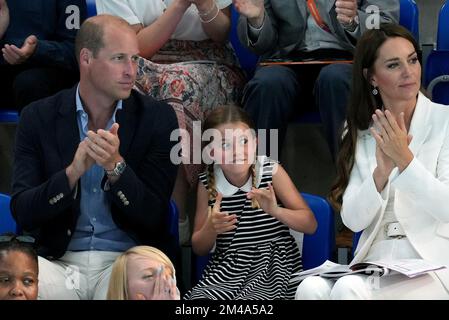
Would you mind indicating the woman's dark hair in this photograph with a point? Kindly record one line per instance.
(12, 242)
(362, 102)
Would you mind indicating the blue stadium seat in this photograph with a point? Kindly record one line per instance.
(7, 222)
(443, 28)
(436, 78)
(247, 59)
(317, 247)
(355, 242)
(320, 246)
(9, 116)
(173, 220)
(409, 17)
(91, 8)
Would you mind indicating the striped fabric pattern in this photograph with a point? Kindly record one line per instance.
(253, 261)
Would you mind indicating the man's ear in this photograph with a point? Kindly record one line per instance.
(85, 56)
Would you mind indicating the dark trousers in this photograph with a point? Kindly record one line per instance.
(21, 85)
(275, 94)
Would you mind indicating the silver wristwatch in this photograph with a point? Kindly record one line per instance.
(118, 170)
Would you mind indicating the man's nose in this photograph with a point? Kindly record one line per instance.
(130, 68)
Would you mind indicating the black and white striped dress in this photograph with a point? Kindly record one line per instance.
(256, 259)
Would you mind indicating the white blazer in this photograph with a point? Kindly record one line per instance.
(422, 189)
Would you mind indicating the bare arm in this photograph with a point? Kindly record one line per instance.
(153, 37)
(216, 23)
(203, 237)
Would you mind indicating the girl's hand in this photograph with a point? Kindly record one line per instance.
(164, 288)
(392, 138)
(221, 222)
(266, 199)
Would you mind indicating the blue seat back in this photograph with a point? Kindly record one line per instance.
(320, 246)
(355, 242)
(173, 218)
(247, 59)
(91, 8)
(443, 28)
(409, 17)
(11, 116)
(7, 222)
(436, 77)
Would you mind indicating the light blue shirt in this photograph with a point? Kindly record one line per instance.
(95, 229)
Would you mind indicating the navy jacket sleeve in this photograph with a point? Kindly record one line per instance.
(34, 186)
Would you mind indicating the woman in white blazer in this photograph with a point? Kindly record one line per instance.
(393, 173)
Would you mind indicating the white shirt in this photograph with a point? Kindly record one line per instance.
(146, 12)
(227, 189)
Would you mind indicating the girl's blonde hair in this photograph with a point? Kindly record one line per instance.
(220, 116)
(118, 283)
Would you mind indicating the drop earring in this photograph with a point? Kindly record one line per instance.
(375, 92)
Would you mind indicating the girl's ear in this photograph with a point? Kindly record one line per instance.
(208, 154)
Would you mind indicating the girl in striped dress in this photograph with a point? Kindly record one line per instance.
(240, 219)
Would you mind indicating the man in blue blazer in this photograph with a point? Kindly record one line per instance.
(37, 42)
(92, 172)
